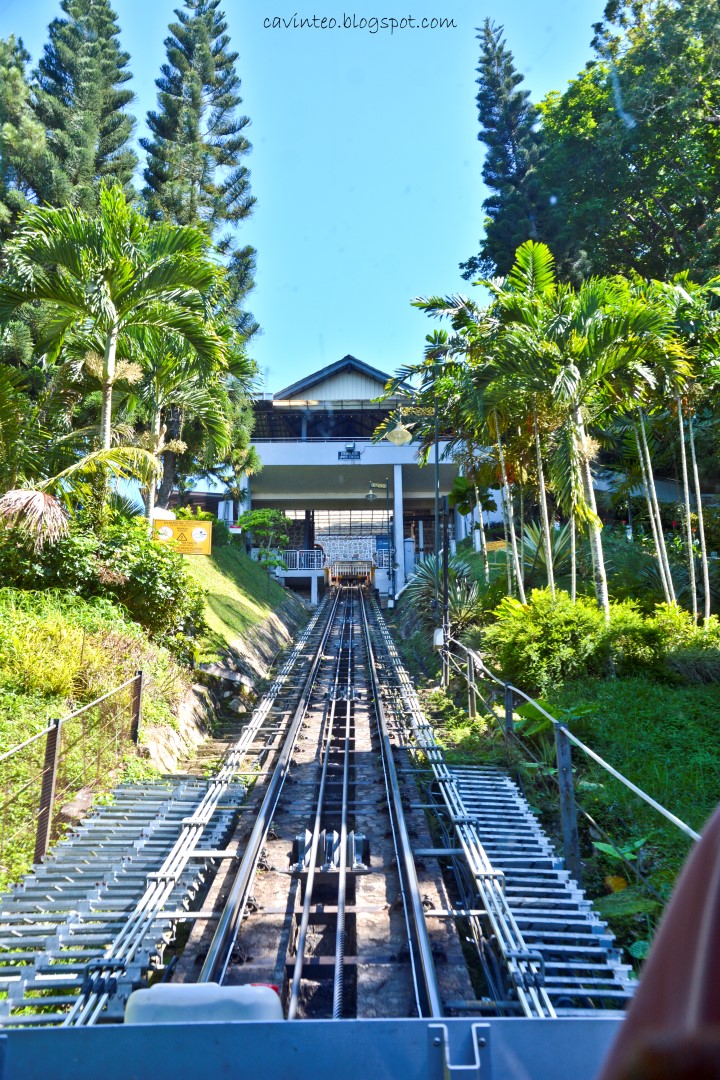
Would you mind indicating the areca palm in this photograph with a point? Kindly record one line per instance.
(688, 307)
(596, 346)
(453, 375)
(104, 276)
(176, 377)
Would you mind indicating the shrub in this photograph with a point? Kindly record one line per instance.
(221, 535)
(541, 644)
(468, 598)
(147, 577)
(546, 642)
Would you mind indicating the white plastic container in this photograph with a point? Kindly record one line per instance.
(197, 1003)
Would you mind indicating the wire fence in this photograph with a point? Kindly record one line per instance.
(469, 665)
(48, 783)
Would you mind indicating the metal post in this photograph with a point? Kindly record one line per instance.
(568, 812)
(391, 554)
(138, 686)
(509, 727)
(446, 598)
(472, 698)
(47, 791)
(437, 519)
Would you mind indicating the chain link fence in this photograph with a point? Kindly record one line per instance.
(49, 782)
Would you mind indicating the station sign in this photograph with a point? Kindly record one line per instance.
(187, 536)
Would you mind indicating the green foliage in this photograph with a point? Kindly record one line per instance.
(642, 117)
(625, 903)
(221, 535)
(194, 173)
(145, 576)
(546, 642)
(59, 651)
(508, 127)
(270, 530)
(466, 595)
(627, 851)
(83, 72)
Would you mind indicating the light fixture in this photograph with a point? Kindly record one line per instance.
(399, 436)
(349, 446)
(371, 495)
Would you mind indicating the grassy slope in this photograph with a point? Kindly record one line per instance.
(237, 595)
(58, 652)
(661, 736)
(664, 739)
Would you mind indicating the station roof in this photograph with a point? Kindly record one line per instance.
(346, 379)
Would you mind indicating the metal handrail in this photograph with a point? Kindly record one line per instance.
(558, 725)
(303, 559)
(63, 719)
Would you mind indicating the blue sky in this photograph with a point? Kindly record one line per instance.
(365, 163)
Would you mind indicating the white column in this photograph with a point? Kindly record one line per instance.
(398, 527)
(246, 504)
(476, 532)
(459, 526)
(314, 590)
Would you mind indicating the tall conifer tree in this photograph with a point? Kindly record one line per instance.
(194, 171)
(24, 159)
(508, 127)
(81, 98)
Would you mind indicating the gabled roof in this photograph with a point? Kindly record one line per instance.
(348, 363)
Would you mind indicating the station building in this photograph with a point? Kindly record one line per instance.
(350, 498)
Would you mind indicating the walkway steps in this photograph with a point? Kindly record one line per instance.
(62, 917)
(582, 968)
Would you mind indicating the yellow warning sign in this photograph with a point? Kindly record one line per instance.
(188, 537)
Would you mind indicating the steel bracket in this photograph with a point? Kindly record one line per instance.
(462, 1055)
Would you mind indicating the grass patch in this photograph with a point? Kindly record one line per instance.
(59, 652)
(238, 596)
(664, 739)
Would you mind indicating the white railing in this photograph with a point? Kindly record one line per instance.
(304, 560)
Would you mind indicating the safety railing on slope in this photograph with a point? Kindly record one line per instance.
(49, 780)
(471, 665)
(311, 559)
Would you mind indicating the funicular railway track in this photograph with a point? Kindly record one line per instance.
(326, 939)
(330, 881)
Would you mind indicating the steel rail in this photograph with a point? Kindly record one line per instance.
(667, 814)
(218, 956)
(524, 971)
(423, 966)
(339, 974)
(327, 737)
(128, 942)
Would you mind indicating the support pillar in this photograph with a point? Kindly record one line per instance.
(459, 527)
(398, 532)
(476, 520)
(246, 504)
(314, 590)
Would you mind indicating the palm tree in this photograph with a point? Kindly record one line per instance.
(595, 346)
(176, 377)
(688, 306)
(104, 276)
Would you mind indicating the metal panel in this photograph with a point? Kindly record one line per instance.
(353, 1049)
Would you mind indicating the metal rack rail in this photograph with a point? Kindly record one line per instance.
(113, 892)
(89, 924)
(543, 950)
